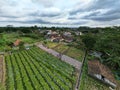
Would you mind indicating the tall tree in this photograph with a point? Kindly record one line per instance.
(89, 41)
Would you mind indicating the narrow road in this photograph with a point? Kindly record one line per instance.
(64, 58)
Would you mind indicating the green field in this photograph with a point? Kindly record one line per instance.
(8, 38)
(11, 37)
(35, 69)
(51, 44)
(61, 48)
(75, 53)
(69, 51)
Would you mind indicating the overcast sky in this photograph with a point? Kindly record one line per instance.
(60, 12)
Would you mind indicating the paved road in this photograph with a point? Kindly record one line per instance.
(64, 58)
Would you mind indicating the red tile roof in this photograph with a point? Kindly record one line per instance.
(17, 42)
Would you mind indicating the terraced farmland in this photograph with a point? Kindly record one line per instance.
(35, 69)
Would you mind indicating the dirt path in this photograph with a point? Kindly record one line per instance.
(64, 58)
(2, 72)
(1, 69)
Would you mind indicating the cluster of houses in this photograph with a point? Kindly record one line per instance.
(56, 36)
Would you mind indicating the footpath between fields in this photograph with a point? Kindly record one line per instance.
(64, 58)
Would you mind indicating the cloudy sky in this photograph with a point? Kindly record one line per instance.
(70, 13)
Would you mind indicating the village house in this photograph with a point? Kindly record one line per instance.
(50, 32)
(68, 39)
(17, 42)
(41, 31)
(78, 33)
(67, 36)
(53, 36)
(101, 72)
(96, 54)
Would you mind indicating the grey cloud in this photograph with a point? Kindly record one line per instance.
(8, 16)
(98, 4)
(50, 15)
(80, 22)
(105, 17)
(110, 15)
(44, 14)
(40, 12)
(72, 18)
(38, 21)
(113, 12)
(46, 3)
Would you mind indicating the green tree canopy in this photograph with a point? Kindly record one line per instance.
(89, 41)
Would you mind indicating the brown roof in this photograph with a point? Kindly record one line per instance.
(17, 42)
(95, 67)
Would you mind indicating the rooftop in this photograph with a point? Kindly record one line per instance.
(95, 67)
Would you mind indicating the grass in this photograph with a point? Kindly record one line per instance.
(2, 48)
(72, 52)
(75, 53)
(61, 48)
(51, 44)
(28, 40)
(118, 88)
(2, 87)
(13, 36)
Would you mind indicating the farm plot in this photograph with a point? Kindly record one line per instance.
(70, 51)
(62, 48)
(35, 69)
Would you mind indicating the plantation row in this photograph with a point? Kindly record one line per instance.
(35, 69)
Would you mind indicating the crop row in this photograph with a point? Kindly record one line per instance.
(34, 69)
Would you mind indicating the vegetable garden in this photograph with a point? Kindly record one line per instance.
(35, 69)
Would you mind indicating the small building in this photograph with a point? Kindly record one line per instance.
(57, 39)
(27, 48)
(95, 53)
(17, 42)
(101, 72)
(78, 33)
(50, 32)
(68, 37)
(68, 34)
